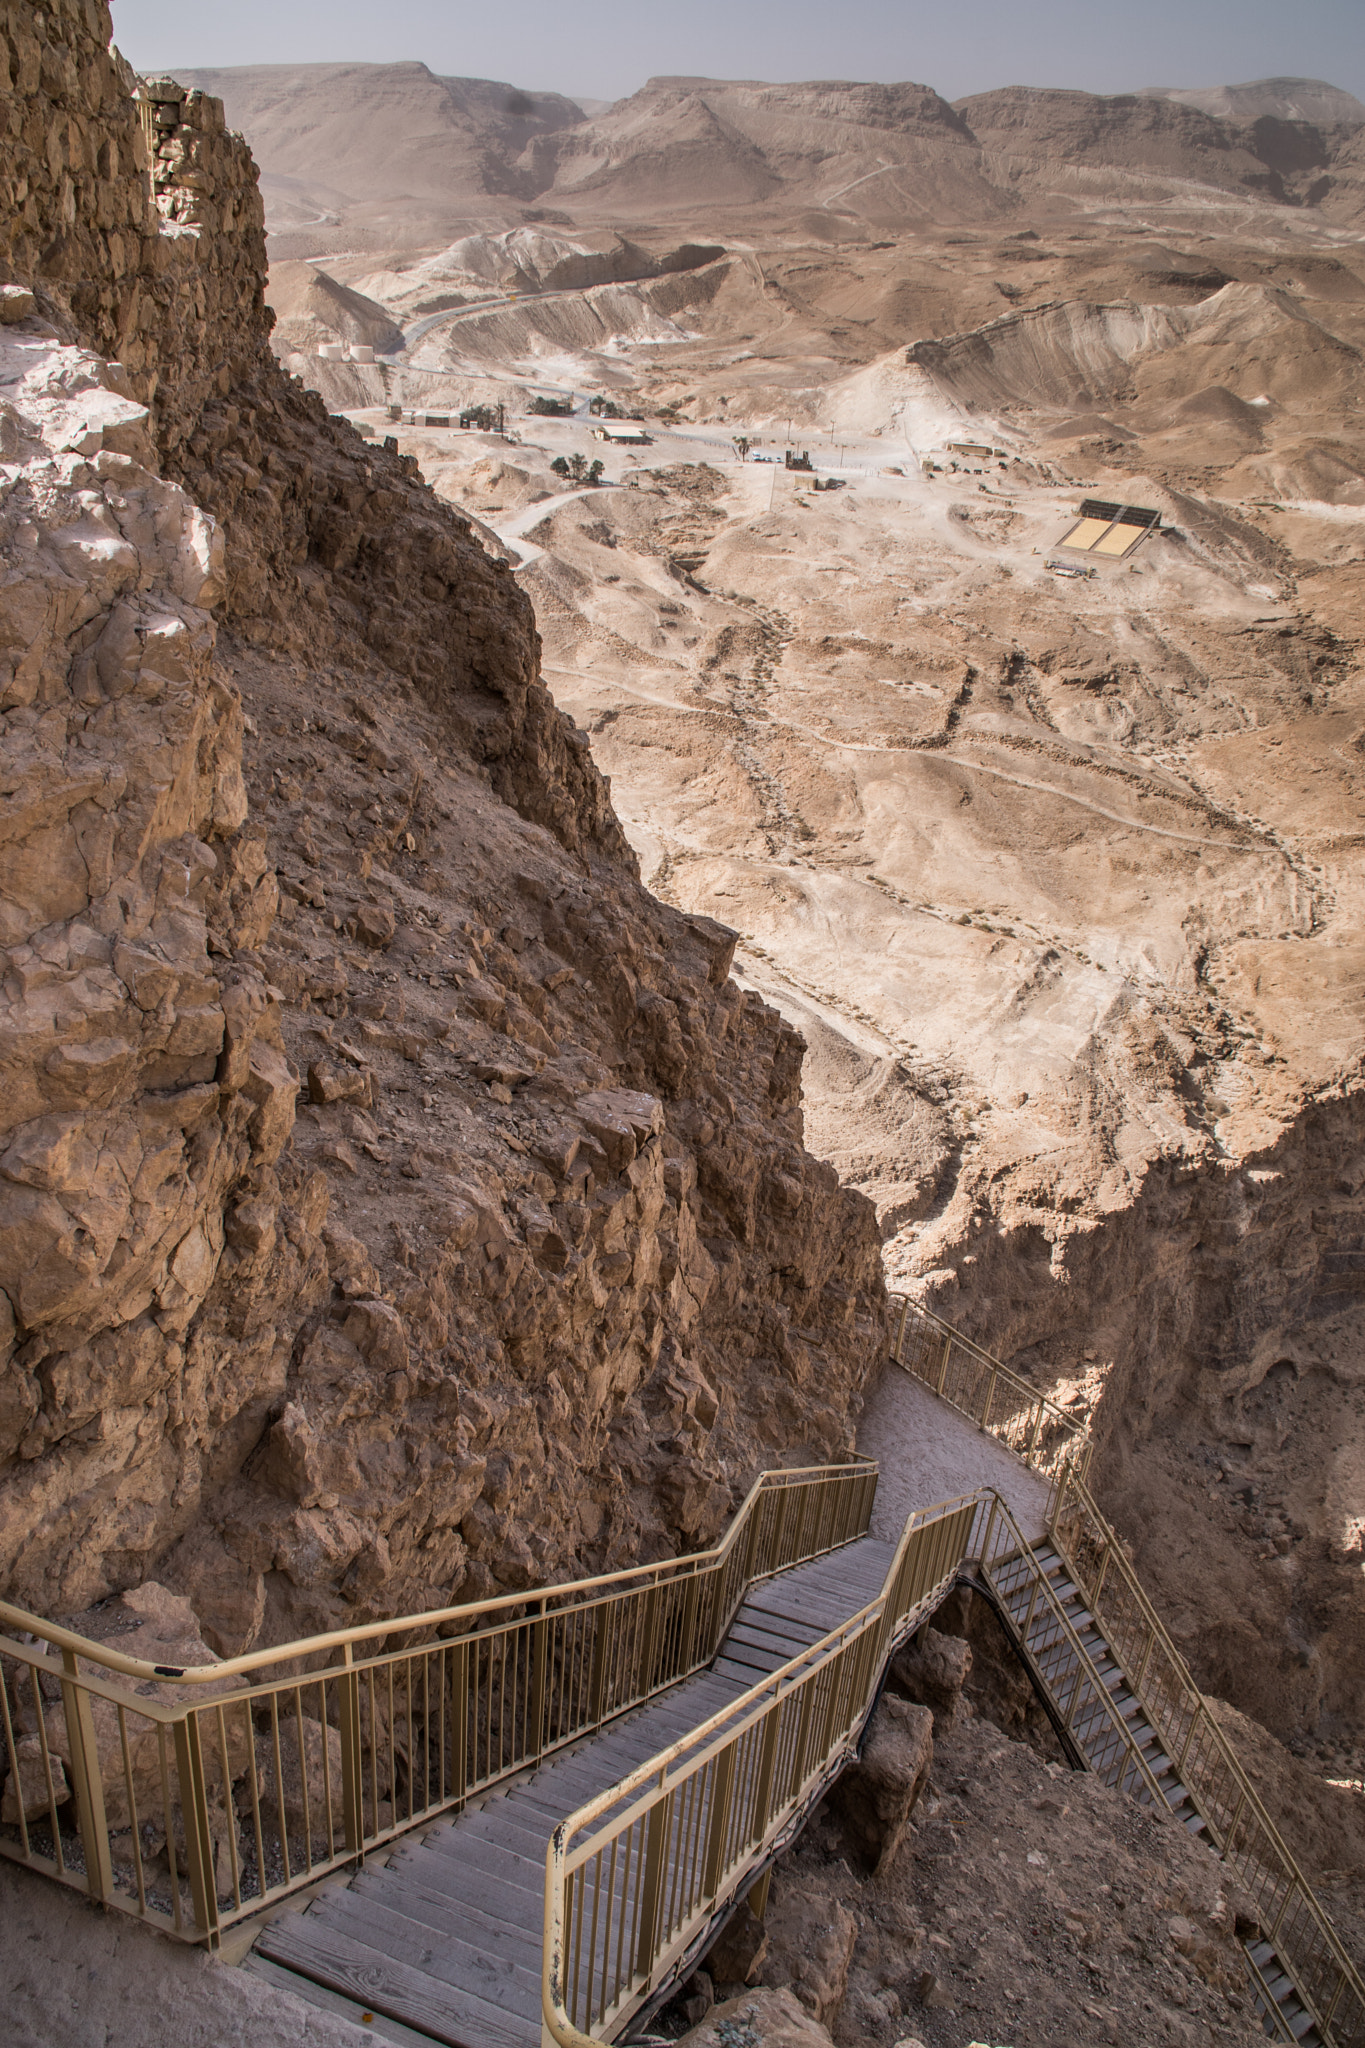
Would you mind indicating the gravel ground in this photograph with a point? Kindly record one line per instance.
(928, 1453)
(73, 1976)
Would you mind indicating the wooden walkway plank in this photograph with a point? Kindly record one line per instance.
(501, 1980)
(380, 1984)
(446, 1937)
(454, 1916)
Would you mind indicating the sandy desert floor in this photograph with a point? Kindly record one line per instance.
(1060, 874)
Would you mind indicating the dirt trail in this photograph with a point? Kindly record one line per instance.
(928, 1452)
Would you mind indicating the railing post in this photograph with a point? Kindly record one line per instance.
(751, 1543)
(653, 1603)
(596, 1684)
(986, 1404)
(352, 1766)
(779, 1558)
(1036, 1431)
(722, 1789)
(540, 1659)
(990, 1530)
(758, 1894)
(943, 1367)
(194, 1812)
(1185, 1745)
(459, 1721)
(1232, 1826)
(801, 1749)
(87, 1782)
(767, 1762)
(1032, 1604)
(1141, 1677)
(652, 1885)
(691, 1608)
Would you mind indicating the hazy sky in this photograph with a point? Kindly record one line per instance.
(606, 48)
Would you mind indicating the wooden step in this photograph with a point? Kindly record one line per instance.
(444, 2012)
(506, 1977)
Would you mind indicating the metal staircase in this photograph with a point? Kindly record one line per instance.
(1121, 1696)
(1060, 1639)
(448, 1937)
(525, 1819)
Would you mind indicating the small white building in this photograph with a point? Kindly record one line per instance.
(622, 434)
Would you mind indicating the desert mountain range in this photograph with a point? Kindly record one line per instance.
(395, 153)
(431, 1168)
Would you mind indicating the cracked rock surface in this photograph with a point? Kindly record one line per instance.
(397, 1202)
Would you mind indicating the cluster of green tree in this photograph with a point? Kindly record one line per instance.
(578, 467)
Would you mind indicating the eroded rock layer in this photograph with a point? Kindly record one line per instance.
(442, 1223)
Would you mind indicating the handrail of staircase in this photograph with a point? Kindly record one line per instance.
(132, 1791)
(648, 1868)
(691, 1827)
(980, 1386)
(1328, 1982)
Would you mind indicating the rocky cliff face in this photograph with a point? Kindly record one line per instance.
(397, 1202)
(1214, 1326)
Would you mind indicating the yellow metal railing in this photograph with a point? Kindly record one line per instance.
(1327, 1981)
(1292, 1919)
(637, 1878)
(194, 1798)
(996, 1399)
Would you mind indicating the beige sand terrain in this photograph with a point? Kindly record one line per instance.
(1054, 858)
(1059, 874)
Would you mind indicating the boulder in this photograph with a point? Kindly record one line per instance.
(811, 1937)
(873, 1799)
(933, 1669)
(158, 1626)
(760, 2019)
(26, 1786)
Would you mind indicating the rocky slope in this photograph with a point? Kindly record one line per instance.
(381, 143)
(1280, 99)
(398, 1202)
(997, 1896)
(389, 156)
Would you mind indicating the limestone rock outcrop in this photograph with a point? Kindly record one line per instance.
(933, 1669)
(398, 1203)
(873, 1799)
